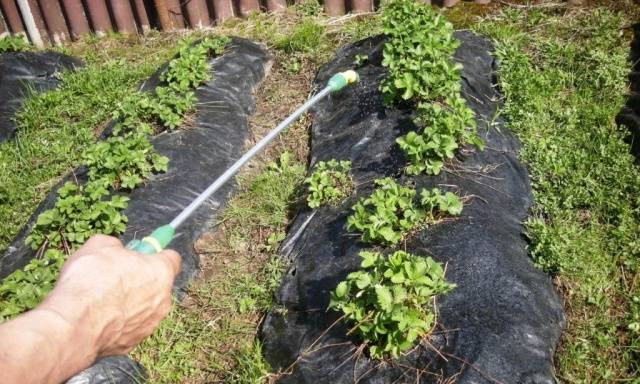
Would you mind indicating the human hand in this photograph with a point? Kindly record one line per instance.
(115, 295)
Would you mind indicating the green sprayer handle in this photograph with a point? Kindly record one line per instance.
(155, 242)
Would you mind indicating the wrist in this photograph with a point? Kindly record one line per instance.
(73, 323)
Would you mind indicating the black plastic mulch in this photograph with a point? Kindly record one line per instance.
(21, 74)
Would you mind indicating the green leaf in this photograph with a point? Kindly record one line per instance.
(342, 289)
(384, 297)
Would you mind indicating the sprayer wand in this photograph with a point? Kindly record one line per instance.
(162, 236)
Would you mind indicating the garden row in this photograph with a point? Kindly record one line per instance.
(392, 157)
(388, 300)
(120, 163)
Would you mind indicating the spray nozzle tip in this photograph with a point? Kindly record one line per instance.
(342, 79)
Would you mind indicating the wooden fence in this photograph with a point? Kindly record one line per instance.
(56, 21)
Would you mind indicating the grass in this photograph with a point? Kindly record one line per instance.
(563, 75)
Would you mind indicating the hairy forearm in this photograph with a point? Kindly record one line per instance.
(44, 346)
(106, 301)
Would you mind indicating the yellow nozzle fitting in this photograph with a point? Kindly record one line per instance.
(351, 76)
(342, 79)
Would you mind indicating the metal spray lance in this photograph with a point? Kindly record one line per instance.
(162, 236)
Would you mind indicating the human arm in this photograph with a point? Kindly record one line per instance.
(106, 301)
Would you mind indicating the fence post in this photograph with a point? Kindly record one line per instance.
(334, 7)
(163, 15)
(78, 23)
(37, 17)
(276, 5)
(223, 9)
(53, 17)
(4, 30)
(12, 16)
(30, 23)
(361, 6)
(248, 6)
(99, 16)
(197, 13)
(123, 15)
(175, 13)
(141, 15)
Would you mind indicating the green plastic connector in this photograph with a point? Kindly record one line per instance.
(155, 242)
(342, 79)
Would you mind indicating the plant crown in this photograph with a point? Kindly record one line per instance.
(418, 56)
(329, 183)
(388, 299)
(390, 212)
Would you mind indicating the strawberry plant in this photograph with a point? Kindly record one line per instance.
(418, 55)
(390, 212)
(190, 68)
(79, 213)
(434, 199)
(388, 300)
(123, 161)
(26, 287)
(329, 183)
(173, 98)
(165, 109)
(360, 60)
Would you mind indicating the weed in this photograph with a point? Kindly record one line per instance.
(250, 366)
(308, 7)
(270, 189)
(305, 37)
(329, 183)
(387, 300)
(14, 43)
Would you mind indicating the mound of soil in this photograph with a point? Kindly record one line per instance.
(501, 323)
